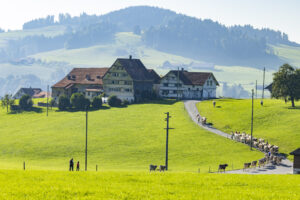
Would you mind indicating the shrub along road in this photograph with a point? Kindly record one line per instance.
(284, 168)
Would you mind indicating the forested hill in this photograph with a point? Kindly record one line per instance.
(160, 29)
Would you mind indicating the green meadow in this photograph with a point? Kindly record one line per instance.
(144, 185)
(276, 121)
(128, 138)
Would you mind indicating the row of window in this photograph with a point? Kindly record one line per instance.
(120, 89)
(115, 74)
(210, 83)
(175, 85)
(166, 92)
(116, 82)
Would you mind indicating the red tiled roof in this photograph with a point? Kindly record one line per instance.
(79, 76)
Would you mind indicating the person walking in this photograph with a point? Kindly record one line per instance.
(71, 165)
(77, 166)
(214, 103)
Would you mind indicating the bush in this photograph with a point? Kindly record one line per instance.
(114, 101)
(87, 103)
(63, 102)
(97, 102)
(125, 102)
(25, 102)
(52, 103)
(102, 95)
(78, 101)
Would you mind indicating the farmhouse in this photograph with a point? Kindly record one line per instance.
(188, 85)
(87, 81)
(296, 155)
(129, 79)
(33, 92)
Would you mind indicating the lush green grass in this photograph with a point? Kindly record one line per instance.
(143, 185)
(119, 138)
(275, 121)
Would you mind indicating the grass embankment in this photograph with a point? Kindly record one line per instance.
(276, 121)
(143, 185)
(118, 139)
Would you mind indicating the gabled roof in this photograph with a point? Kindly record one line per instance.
(269, 87)
(135, 68)
(154, 75)
(30, 91)
(296, 152)
(79, 76)
(193, 78)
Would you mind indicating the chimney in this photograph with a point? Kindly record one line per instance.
(130, 57)
(182, 69)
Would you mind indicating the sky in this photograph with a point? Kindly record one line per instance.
(283, 15)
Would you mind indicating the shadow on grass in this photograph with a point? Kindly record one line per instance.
(79, 110)
(294, 108)
(33, 109)
(162, 102)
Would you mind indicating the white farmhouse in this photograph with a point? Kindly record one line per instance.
(182, 84)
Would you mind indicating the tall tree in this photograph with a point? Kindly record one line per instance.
(286, 83)
(7, 101)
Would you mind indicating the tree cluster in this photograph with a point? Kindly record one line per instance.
(286, 84)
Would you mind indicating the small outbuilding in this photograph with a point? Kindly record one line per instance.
(296, 155)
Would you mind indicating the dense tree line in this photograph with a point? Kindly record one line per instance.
(209, 41)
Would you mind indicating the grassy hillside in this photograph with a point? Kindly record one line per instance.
(275, 121)
(119, 139)
(288, 53)
(138, 185)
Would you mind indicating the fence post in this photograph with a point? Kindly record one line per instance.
(24, 165)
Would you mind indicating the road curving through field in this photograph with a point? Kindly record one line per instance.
(284, 168)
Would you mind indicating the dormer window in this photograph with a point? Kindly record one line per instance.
(98, 77)
(88, 77)
(73, 77)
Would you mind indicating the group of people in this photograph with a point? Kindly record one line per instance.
(71, 166)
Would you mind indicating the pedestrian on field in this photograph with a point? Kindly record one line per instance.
(71, 165)
(262, 103)
(77, 166)
(214, 103)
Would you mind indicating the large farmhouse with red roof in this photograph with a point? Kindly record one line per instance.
(129, 79)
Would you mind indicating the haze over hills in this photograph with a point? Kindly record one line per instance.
(45, 50)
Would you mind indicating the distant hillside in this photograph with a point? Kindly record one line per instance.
(160, 29)
(163, 39)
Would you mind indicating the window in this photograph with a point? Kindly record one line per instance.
(174, 91)
(165, 92)
(166, 84)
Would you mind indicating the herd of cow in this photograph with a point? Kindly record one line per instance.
(271, 151)
(162, 168)
(256, 143)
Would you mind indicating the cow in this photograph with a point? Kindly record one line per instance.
(262, 162)
(162, 168)
(253, 164)
(246, 165)
(222, 167)
(152, 167)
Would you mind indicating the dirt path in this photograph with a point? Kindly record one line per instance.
(284, 168)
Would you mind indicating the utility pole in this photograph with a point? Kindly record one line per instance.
(47, 99)
(263, 89)
(86, 136)
(252, 120)
(177, 84)
(167, 139)
(256, 90)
